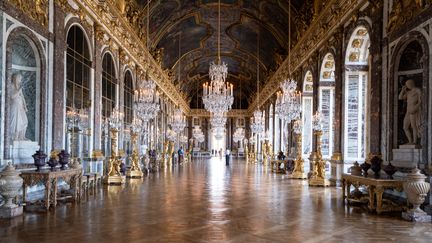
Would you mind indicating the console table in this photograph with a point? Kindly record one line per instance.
(375, 186)
(49, 179)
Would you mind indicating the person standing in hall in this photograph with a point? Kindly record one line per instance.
(180, 155)
(227, 156)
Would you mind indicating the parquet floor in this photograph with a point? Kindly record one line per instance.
(205, 201)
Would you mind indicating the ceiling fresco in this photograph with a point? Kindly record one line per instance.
(193, 24)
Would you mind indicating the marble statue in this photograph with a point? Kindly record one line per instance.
(17, 117)
(412, 119)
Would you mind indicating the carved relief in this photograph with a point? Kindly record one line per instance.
(37, 9)
(403, 11)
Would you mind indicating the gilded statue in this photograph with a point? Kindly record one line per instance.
(412, 119)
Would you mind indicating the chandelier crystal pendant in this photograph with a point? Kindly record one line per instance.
(171, 135)
(218, 94)
(146, 100)
(179, 121)
(198, 134)
(116, 119)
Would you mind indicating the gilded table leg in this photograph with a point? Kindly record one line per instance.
(379, 192)
(47, 183)
(24, 188)
(54, 192)
(348, 188)
(371, 190)
(344, 190)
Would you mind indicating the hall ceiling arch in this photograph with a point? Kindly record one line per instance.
(242, 22)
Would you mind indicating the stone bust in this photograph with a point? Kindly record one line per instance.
(412, 119)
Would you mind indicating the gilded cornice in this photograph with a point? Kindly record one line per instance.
(231, 113)
(107, 15)
(334, 14)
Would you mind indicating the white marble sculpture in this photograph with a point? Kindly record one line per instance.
(17, 118)
(412, 119)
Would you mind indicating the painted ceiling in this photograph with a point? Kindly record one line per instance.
(186, 30)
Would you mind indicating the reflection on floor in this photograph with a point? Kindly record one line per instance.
(207, 201)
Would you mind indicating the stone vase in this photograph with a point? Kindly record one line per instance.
(63, 159)
(390, 170)
(365, 167)
(356, 169)
(376, 165)
(39, 159)
(52, 162)
(10, 184)
(416, 189)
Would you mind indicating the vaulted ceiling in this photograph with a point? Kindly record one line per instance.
(186, 30)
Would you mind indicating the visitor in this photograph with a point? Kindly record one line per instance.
(281, 156)
(180, 155)
(227, 156)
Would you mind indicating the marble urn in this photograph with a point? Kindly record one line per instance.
(416, 189)
(10, 184)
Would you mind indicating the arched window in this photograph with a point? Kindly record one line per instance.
(78, 99)
(109, 85)
(356, 86)
(271, 127)
(326, 104)
(78, 65)
(128, 98)
(307, 110)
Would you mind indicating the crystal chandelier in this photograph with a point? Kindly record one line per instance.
(171, 135)
(257, 122)
(136, 126)
(218, 94)
(239, 134)
(217, 120)
(179, 121)
(218, 132)
(198, 134)
(316, 121)
(146, 100)
(297, 127)
(116, 118)
(288, 102)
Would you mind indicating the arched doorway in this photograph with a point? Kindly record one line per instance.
(356, 97)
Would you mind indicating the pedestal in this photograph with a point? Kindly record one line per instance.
(22, 151)
(319, 182)
(416, 216)
(134, 174)
(406, 156)
(337, 165)
(114, 179)
(7, 213)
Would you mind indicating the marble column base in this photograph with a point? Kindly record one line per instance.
(336, 172)
(7, 213)
(134, 174)
(416, 216)
(116, 179)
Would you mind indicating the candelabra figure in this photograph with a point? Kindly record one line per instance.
(135, 170)
(114, 175)
(318, 173)
(298, 172)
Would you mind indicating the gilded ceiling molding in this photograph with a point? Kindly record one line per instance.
(113, 23)
(334, 14)
(231, 113)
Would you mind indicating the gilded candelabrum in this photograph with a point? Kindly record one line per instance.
(170, 152)
(318, 173)
(135, 170)
(298, 172)
(114, 175)
(265, 152)
(164, 153)
(247, 153)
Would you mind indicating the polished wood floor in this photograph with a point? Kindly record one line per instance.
(205, 201)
